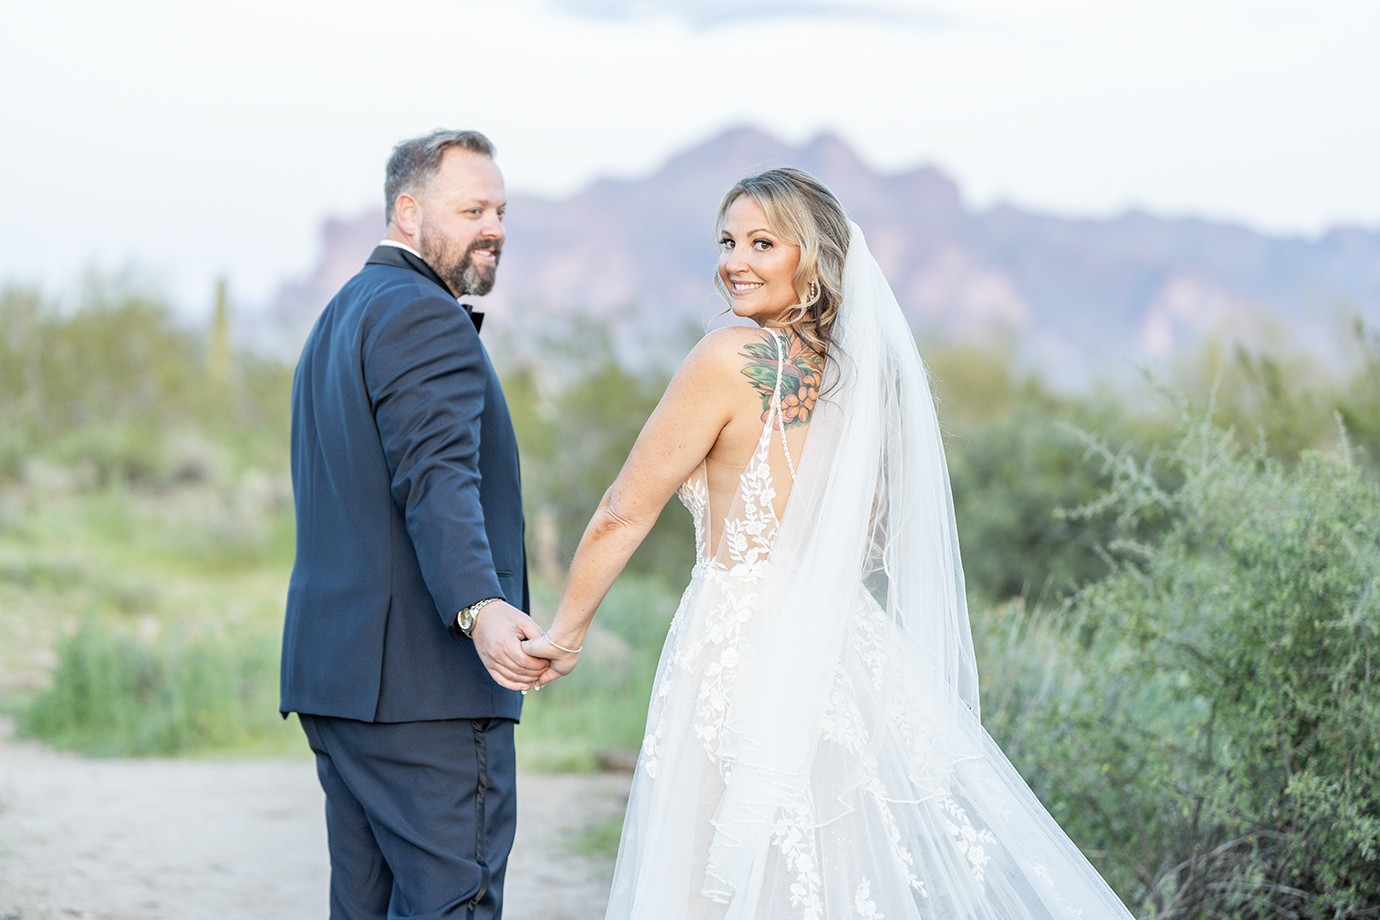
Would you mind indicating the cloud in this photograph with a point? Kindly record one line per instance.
(143, 137)
(706, 14)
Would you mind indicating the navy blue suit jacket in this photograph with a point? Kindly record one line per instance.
(405, 478)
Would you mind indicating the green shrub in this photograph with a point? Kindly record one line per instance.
(119, 692)
(1212, 725)
(1013, 478)
(1292, 400)
(106, 384)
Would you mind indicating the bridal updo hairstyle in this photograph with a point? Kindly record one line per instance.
(802, 210)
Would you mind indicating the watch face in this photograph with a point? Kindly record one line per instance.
(466, 620)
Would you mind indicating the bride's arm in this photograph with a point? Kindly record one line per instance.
(687, 421)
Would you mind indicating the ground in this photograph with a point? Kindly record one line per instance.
(122, 839)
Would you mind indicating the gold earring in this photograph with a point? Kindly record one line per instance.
(814, 291)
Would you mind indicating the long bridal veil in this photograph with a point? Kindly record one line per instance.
(857, 778)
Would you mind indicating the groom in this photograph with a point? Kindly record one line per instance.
(401, 650)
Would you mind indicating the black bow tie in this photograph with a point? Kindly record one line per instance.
(475, 316)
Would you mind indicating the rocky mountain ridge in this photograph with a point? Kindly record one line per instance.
(1073, 298)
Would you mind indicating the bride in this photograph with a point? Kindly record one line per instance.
(814, 748)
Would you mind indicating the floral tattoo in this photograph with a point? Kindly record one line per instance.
(800, 376)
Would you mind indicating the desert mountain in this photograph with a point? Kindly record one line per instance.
(1076, 298)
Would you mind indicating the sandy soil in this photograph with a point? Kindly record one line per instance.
(240, 839)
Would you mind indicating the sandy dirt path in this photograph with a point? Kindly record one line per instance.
(240, 839)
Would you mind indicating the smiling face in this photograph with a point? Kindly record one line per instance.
(459, 221)
(757, 265)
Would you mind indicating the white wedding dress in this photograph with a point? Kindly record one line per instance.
(813, 749)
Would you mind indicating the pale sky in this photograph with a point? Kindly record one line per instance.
(186, 140)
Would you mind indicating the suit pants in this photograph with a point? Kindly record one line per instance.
(420, 816)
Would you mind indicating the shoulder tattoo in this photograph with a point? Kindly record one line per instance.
(800, 376)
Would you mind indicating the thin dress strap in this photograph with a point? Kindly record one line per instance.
(776, 400)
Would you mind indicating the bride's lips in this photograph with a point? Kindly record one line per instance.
(742, 288)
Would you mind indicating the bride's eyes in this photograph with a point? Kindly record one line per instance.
(761, 245)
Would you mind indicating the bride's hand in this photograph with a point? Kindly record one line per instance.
(559, 661)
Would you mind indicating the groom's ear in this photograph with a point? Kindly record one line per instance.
(406, 211)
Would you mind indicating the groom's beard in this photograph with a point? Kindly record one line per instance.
(459, 271)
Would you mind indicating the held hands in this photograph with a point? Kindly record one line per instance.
(500, 634)
(559, 661)
(515, 651)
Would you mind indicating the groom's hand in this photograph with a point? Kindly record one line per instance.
(498, 635)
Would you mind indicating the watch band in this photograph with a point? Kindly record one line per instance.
(468, 616)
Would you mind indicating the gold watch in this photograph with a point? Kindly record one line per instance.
(467, 617)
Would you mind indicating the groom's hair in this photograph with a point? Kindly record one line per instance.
(416, 160)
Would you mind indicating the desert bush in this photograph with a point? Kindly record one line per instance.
(1290, 400)
(1017, 461)
(104, 384)
(1210, 722)
(120, 690)
(1014, 478)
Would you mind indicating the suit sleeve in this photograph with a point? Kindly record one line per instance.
(426, 376)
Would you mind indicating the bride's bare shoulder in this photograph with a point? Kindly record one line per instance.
(717, 376)
(725, 350)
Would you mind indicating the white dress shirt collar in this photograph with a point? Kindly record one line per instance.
(398, 245)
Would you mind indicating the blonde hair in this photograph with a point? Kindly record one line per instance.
(801, 209)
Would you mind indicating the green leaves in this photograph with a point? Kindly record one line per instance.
(1235, 652)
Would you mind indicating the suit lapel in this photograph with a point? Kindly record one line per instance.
(401, 258)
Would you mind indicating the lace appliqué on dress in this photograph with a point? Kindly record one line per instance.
(708, 651)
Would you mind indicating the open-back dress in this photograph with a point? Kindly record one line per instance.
(800, 760)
